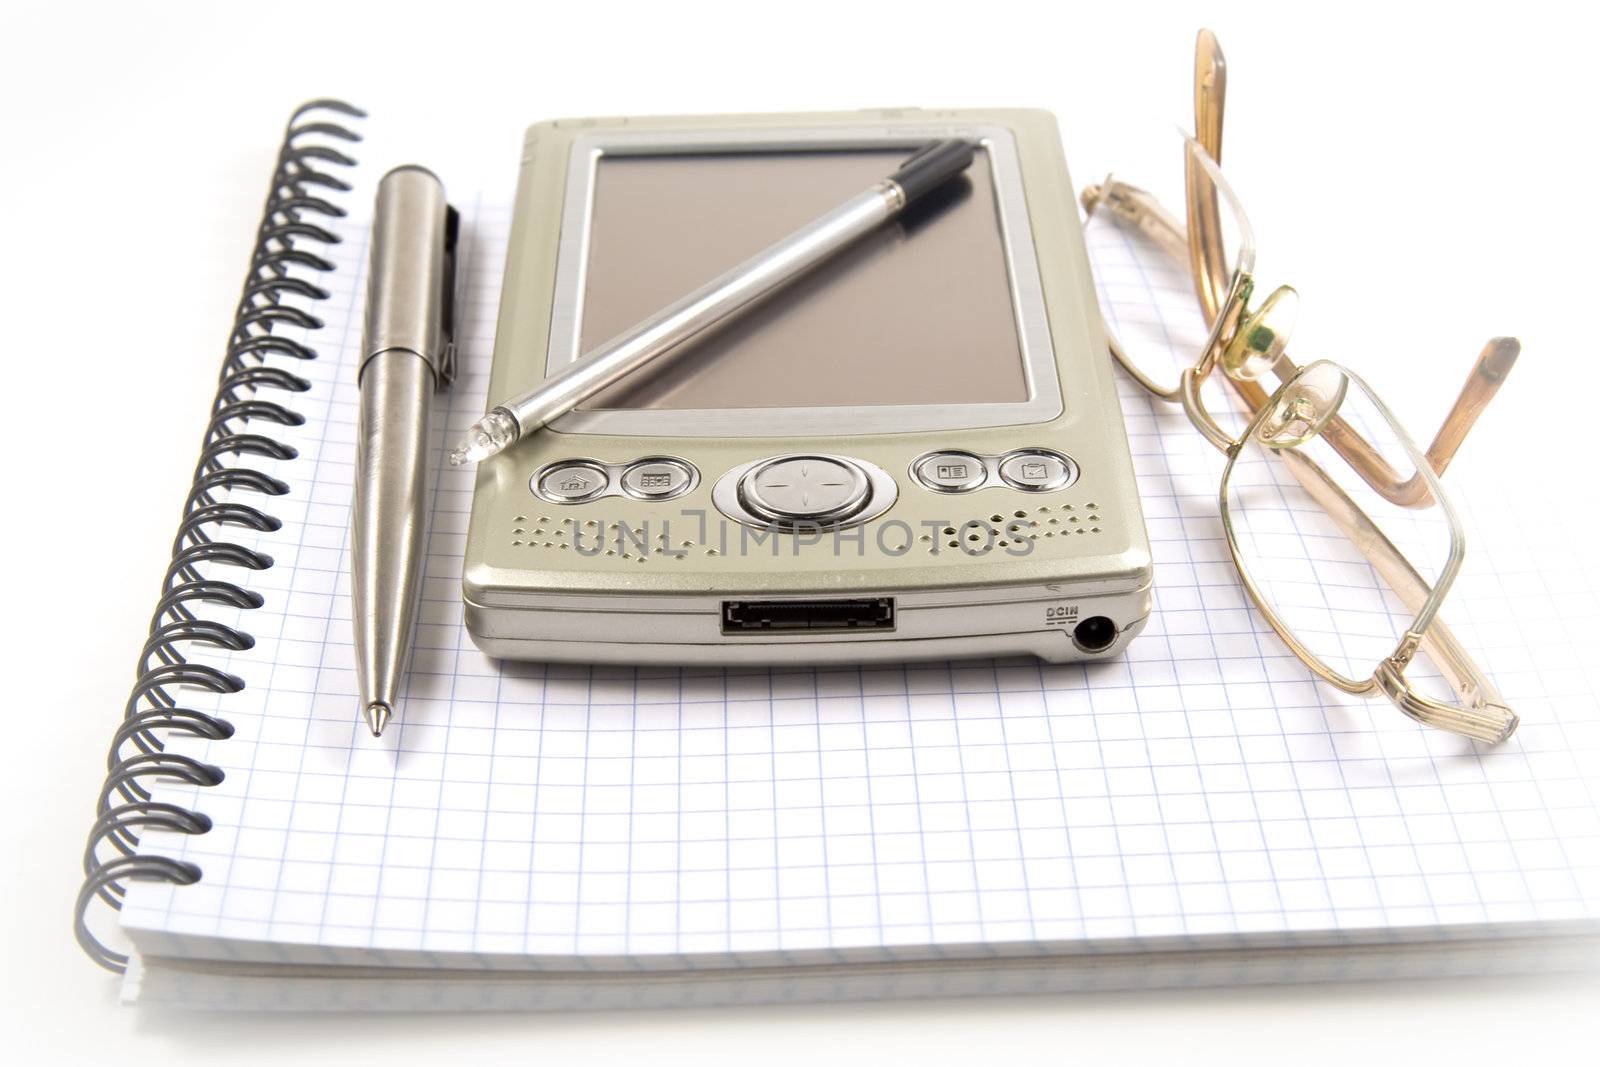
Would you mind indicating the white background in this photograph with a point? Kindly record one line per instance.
(1425, 178)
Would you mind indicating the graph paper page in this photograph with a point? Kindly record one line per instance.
(1204, 788)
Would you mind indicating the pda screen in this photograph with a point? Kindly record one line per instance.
(917, 312)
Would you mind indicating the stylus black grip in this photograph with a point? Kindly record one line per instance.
(932, 166)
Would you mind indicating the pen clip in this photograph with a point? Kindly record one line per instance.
(450, 300)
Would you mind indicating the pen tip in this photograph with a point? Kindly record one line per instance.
(377, 714)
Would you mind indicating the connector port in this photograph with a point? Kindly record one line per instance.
(815, 616)
(1095, 634)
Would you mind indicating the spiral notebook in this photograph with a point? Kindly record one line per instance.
(541, 836)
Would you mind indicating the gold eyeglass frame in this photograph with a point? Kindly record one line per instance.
(1247, 341)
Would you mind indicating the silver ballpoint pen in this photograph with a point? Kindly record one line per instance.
(668, 329)
(408, 351)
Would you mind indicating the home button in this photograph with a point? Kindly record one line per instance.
(572, 482)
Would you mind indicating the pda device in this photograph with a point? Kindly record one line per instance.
(913, 451)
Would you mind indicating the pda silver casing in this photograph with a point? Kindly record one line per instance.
(811, 484)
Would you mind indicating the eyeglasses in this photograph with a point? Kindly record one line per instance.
(1341, 533)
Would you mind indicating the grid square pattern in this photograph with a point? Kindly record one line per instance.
(1201, 788)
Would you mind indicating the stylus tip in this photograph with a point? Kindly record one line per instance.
(489, 436)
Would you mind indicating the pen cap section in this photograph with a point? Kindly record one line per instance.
(408, 285)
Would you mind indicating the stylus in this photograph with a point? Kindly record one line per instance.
(407, 352)
(672, 326)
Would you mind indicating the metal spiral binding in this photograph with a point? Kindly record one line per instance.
(305, 174)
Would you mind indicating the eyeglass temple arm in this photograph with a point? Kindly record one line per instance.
(1207, 260)
(1484, 715)
(1488, 374)
(1134, 207)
